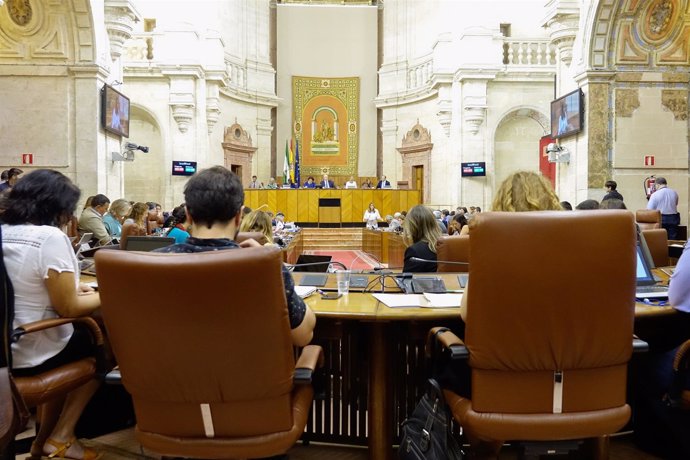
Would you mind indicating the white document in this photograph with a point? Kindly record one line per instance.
(420, 300)
(443, 300)
(304, 291)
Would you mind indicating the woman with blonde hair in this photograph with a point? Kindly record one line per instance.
(420, 234)
(526, 191)
(135, 225)
(258, 221)
(119, 209)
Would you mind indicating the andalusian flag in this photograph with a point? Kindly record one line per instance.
(297, 174)
(292, 163)
(286, 165)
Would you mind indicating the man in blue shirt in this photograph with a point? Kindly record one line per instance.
(665, 200)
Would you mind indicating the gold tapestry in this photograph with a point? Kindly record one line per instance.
(325, 121)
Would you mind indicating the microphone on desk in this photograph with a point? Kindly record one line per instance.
(311, 264)
(451, 262)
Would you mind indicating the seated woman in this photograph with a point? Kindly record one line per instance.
(119, 209)
(135, 225)
(310, 183)
(458, 225)
(44, 272)
(179, 225)
(258, 221)
(420, 234)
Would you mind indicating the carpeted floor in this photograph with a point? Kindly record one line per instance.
(354, 260)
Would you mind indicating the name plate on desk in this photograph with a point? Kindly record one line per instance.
(329, 202)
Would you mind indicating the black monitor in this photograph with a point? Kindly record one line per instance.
(114, 111)
(147, 243)
(475, 169)
(183, 168)
(311, 258)
(566, 115)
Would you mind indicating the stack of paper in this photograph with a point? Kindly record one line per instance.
(426, 300)
(304, 291)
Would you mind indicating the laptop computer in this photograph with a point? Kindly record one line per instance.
(318, 276)
(147, 243)
(646, 284)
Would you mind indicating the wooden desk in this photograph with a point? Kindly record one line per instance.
(392, 341)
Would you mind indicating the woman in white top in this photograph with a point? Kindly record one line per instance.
(44, 272)
(351, 183)
(372, 217)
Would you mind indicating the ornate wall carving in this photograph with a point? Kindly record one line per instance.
(627, 100)
(676, 101)
(598, 135)
(238, 150)
(46, 32)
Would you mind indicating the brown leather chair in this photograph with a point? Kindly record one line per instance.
(648, 218)
(549, 327)
(209, 363)
(657, 242)
(455, 248)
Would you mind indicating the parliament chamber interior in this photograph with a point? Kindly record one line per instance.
(460, 229)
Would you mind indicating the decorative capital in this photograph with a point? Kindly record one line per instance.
(212, 113)
(183, 115)
(120, 17)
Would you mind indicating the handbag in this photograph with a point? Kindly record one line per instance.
(426, 432)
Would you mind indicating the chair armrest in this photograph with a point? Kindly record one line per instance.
(309, 359)
(114, 377)
(43, 324)
(102, 366)
(639, 345)
(448, 341)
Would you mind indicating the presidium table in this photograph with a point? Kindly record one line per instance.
(330, 206)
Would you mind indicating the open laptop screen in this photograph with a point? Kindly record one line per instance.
(644, 272)
(147, 243)
(309, 259)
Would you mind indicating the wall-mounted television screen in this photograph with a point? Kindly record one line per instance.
(473, 169)
(183, 168)
(114, 111)
(566, 115)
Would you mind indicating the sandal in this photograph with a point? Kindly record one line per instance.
(62, 448)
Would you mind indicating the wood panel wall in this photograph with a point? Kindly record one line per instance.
(303, 205)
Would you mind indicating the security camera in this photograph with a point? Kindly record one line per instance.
(133, 146)
(553, 148)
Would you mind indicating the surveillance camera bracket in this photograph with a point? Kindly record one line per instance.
(127, 155)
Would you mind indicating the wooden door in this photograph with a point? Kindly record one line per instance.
(418, 179)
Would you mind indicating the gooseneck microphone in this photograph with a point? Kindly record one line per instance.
(430, 261)
(311, 264)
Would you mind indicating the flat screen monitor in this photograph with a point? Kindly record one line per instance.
(473, 169)
(566, 115)
(114, 111)
(183, 168)
(320, 263)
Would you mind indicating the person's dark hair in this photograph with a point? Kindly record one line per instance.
(661, 181)
(566, 205)
(151, 205)
(477, 209)
(612, 184)
(588, 205)
(461, 219)
(612, 203)
(4, 174)
(42, 197)
(99, 200)
(179, 215)
(213, 195)
(13, 172)
(445, 212)
(246, 210)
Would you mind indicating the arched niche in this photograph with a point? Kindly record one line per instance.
(415, 151)
(238, 151)
(147, 177)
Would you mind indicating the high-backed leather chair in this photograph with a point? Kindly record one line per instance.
(648, 218)
(456, 249)
(549, 327)
(657, 242)
(209, 362)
